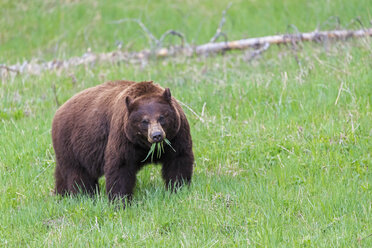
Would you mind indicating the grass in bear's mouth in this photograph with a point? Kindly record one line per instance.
(159, 147)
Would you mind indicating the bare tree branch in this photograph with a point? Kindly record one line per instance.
(220, 25)
(257, 52)
(356, 20)
(9, 68)
(171, 32)
(55, 95)
(152, 39)
(330, 21)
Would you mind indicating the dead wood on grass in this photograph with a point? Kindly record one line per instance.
(261, 44)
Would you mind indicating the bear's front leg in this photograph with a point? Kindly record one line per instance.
(120, 173)
(178, 171)
(120, 182)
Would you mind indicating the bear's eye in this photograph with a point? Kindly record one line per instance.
(161, 119)
(145, 122)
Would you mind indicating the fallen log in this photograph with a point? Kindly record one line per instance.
(90, 58)
(316, 36)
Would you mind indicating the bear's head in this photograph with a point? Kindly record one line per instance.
(151, 119)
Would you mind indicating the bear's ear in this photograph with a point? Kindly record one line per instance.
(128, 102)
(167, 95)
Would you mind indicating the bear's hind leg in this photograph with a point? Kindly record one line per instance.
(61, 186)
(71, 178)
(79, 180)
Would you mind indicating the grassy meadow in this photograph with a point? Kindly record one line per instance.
(282, 143)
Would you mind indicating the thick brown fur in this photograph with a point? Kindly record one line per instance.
(101, 131)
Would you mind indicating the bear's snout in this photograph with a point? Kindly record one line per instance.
(157, 136)
(155, 133)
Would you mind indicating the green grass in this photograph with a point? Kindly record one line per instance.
(283, 157)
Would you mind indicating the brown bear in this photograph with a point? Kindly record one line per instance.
(109, 129)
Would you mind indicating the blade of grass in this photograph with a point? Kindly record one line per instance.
(159, 149)
(169, 144)
(151, 151)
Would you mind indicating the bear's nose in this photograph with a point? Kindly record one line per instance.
(157, 136)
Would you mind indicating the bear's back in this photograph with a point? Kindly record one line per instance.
(103, 98)
(83, 121)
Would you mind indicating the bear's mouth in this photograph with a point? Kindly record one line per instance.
(151, 140)
(158, 148)
(147, 143)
